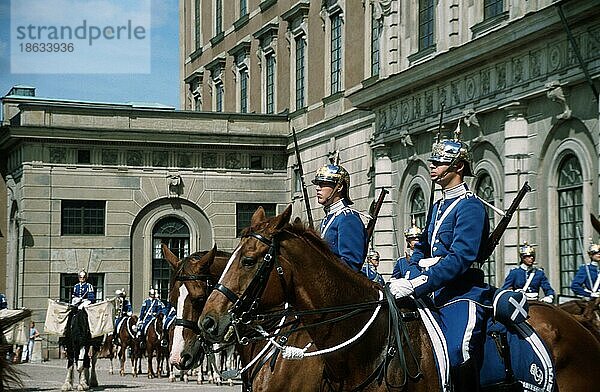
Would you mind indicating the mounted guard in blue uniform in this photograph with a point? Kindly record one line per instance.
(369, 268)
(447, 258)
(83, 292)
(150, 308)
(342, 227)
(170, 313)
(411, 235)
(529, 279)
(587, 280)
(123, 309)
(450, 290)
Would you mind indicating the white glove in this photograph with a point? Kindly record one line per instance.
(595, 294)
(548, 299)
(401, 287)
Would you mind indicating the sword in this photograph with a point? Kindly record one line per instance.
(301, 173)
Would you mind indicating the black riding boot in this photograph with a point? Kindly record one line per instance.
(465, 377)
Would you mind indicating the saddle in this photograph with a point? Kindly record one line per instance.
(514, 356)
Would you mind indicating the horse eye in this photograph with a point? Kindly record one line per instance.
(248, 261)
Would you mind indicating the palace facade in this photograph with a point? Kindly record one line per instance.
(100, 185)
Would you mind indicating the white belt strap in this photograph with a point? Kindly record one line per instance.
(438, 222)
(596, 284)
(529, 279)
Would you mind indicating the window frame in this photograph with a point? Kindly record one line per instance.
(426, 23)
(86, 207)
(336, 53)
(244, 212)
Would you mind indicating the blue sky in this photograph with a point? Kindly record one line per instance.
(161, 85)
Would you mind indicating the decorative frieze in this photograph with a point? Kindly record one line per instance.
(491, 83)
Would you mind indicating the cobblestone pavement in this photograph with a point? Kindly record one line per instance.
(49, 376)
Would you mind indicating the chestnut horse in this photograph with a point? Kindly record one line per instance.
(366, 346)
(128, 342)
(586, 312)
(153, 337)
(193, 280)
(316, 280)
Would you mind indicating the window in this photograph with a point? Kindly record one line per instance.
(485, 190)
(297, 180)
(67, 281)
(197, 24)
(570, 221)
(336, 53)
(492, 8)
(256, 162)
(418, 208)
(244, 212)
(218, 17)
(219, 97)
(270, 83)
(425, 24)
(82, 217)
(300, 67)
(376, 27)
(176, 235)
(243, 7)
(244, 91)
(84, 156)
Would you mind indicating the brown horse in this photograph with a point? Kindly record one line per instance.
(153, 337)
(361, 351)
(193, 280)
(317, 280)
(586, 312)
(128, 342)
(575, 351)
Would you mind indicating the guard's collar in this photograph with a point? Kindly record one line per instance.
(455, 192)
(594, 263)
(335, 207)
(526, 267)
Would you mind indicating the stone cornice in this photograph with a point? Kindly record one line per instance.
(477, 52)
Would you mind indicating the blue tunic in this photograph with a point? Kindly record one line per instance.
(3, 302)
(150, 308)
(581, 285)
(517, 278)
(170, 313)
(127, 308)
(84, 290)
(370, 272)
(461, 228)
(402, 267)
(345, 233)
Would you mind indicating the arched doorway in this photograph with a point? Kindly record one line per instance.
(176, 234)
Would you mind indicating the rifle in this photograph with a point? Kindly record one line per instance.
(374, 210)
(301, 172)
(494, 238)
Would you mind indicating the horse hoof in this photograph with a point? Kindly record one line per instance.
(83, 387)
(67, 387)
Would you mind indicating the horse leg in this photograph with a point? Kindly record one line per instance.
(68, 385)
(150, 366)
(84, 376)
(93, 376)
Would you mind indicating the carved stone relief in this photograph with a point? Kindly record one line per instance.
(135, 158)
(160, 158)
(209, 160)
(58, 155)
(232, 161)
(110, 157)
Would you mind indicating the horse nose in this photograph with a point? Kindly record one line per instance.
(208, 325)
(191, 355)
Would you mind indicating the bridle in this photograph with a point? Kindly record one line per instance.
(207, 279)
(245, 306)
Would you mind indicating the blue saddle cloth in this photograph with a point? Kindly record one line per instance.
(530, 359)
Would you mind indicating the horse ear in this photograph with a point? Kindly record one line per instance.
(281, 220)
(297, 221)
(170, 256)
(211, 254)
(258, 216)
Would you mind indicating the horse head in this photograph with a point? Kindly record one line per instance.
(192, 281)
(277, 263)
